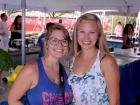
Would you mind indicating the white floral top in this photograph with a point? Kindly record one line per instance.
(90, 88)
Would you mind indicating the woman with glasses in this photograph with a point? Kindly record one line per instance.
(94, 75)
(44, 81)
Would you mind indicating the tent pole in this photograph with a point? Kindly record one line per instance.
(112, 22)
(23, 6)
(125, 20)
(127, 11)
(104, 15)
(45, 12)
(5, 8)
(73, 17)
(81, 9)
(127, 14)
(138, 23)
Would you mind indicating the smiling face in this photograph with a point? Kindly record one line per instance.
(87, 34)
(57, 45)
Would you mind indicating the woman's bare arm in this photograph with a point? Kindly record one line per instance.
(23, 82)
(110, 70)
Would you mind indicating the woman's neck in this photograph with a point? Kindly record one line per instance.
(89, 53)
(49, 60)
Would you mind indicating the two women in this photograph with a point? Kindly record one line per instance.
(94, 75)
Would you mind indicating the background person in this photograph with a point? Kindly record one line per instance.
(94, 75)
(41, 39)
(127, 36)
(15, 30)
(4, 33)
(119, 29)
(41, 79)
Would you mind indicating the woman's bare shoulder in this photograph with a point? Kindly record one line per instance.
(30, 68)
(107, 59)
(109, 65)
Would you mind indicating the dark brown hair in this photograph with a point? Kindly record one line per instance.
(2, 15)
(125, 31)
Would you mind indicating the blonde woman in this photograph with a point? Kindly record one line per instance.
(94, 75)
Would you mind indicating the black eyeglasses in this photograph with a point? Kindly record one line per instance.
(54, 41)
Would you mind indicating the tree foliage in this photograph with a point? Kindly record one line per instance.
(5, 60)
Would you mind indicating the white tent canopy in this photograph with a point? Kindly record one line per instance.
(125, 6)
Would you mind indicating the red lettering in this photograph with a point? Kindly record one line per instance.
(45, 96)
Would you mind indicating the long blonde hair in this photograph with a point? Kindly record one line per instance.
(101, 42)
